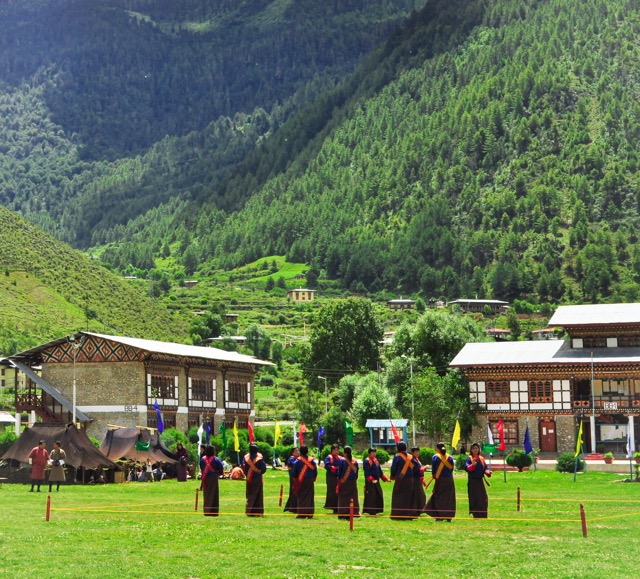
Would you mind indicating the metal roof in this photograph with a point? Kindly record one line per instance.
(538, 352)
(596, 314)
(382, 423)
(156, 347)
(476, 301)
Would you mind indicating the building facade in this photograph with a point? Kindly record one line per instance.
(301, 295)
(118, 380)
(553, 385)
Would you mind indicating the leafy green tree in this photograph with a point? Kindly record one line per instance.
(258, 341)
(514, 324)
(372, 400)
(269, 284)
(345, 339)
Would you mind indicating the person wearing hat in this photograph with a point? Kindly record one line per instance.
(38, 458)
(58, 458)
(419, 496)
(402, 499)
(373, 502)
(442, 502)
(254, 467)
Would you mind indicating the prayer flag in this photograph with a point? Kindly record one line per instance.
(320, 435)
(631, 438)
(250, 427)
(500, 427)
(207, 430)
(303, 429)
(277, 435)
(295, 435)
(200, 433)
(159, 413)
(143, 446)
(236, 440)
(394, 430)
(579, 440)
(456, 436)
(528, 447)
(349, 430)
(223, 431)
(489, 434)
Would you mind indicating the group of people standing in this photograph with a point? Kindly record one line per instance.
(40, 458)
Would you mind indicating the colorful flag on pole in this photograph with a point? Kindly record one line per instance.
(456, 436)
(500, 427)
(207, 430)
(489, 434)
(394, 431)
(631, 438)
(320, 435)
(349, 430)
(303, 429)
(277, 435)
(250, 427)
(579, 440)
(295, 435)
(236, 440)
(526, 443)
(159, 413)
(223, 431)
(200, 433)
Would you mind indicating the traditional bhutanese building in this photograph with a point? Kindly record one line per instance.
(553, 385)
(118, 380)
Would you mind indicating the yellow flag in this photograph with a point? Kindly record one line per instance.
(277, 435)
(236, 441)
(456, 437)
(579, 441)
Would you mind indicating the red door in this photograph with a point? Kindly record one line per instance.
(548, 436)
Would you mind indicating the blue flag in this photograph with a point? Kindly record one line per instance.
(528, 447)
(320, 435)
(208, 432)
(159, 413)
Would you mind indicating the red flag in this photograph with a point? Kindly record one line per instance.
(303, 429)
(250, 426)
(500, 427)
(396, 436)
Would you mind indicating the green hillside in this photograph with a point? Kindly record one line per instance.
(48, 290)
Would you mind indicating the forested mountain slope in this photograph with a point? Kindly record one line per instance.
(48, 289)
(505, 166)
(87, 86)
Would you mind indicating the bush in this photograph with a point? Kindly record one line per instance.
(461, 461)
(264, 434)
(7, 439)
(426, 454)
(266, 451)
(519, 459)
(284, 452)
(381, 453)
(567, 462)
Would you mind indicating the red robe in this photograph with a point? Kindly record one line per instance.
(39, 458)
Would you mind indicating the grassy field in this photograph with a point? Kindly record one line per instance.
(152, 530)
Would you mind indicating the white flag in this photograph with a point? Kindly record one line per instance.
(489, 434)
(631, 438)
(200, 433)
(295, 436)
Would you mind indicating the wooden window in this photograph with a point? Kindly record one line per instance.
(238, 392)
(168, 418)
(498, 392)
(202, 388)
(628, 341)
(510, 432)
(540, 391)
(163, 386)
(594, 342)
(243, 420)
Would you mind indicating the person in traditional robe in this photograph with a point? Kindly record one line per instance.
(402, 499)
(181, 465)
(348, 485)
(57, 457)
(39, 458)
(211, 469)
(292, 500)
(419, 496)
(331, 464)
(477, 470)
(254, 467)
(442, 502)
(305, 472)
(373, 501)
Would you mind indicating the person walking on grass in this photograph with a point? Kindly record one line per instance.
(39, 458)
(58, 458)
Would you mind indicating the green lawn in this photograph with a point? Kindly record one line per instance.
(152, 530)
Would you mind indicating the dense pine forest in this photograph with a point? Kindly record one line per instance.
(487, 147)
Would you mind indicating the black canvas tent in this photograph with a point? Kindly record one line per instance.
(137, 445)
(80, 451)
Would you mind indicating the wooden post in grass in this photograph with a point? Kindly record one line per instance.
(197, 491)
(583, 518)
(48, 515)
(351, 515)
(518, 499)
(281, 492)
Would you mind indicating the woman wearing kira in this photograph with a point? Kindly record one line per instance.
(477, 470)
